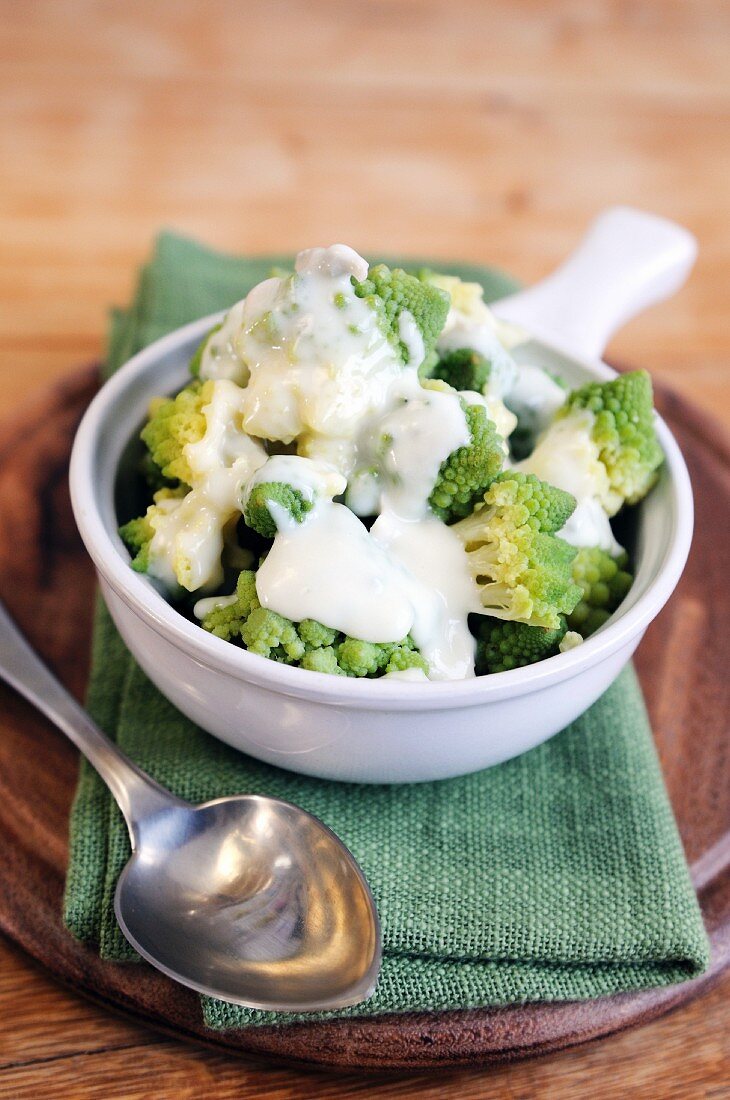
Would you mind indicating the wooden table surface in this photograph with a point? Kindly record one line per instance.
(483, 131)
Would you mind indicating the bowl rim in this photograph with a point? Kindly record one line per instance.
(140, 596)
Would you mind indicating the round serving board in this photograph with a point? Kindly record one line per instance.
(47, 582)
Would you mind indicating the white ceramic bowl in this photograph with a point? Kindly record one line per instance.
(375, 731)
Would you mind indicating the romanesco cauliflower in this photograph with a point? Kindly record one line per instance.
(468, 471)
(604, 581)
(463, 369)
(308, 644)
(257, 510)
(391, 292)
(522, 570)
(137, 534)
(175, 422)
(311, 369)
(623, 431)
(504, 645)
(286, 489)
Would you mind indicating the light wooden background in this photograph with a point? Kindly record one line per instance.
(490, 131)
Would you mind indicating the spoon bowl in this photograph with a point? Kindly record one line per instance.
(253, 900)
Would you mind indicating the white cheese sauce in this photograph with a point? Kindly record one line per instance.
(364, 492)
(311, 478)
(422, 429)
(535, 397)
(567, 457)
(435, 558)
(483, 339)
(470, 323)
(409, 574)
(188, 538)
(213, 603)
(318, 359)
(590, 526)
(226, 455)
(187, 543)
(411, 337)
(220, 358)
(331, 569)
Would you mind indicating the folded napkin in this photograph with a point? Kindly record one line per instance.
(556, 876)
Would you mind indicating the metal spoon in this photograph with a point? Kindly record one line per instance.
(248, 899)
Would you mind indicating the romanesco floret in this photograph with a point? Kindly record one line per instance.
(405, 656)
(393, 292)
(502, 646)
(257, 510)
(463, 369)
(197, 359)
(322, 660)
(271, 635)
(521, 568)
(174, 422)
(468, 471)
(315, 635)
(604, 581)
(137, 534)
(358, 658)
(285, 489)
(226, 620)
(623, 431)
(308, 644)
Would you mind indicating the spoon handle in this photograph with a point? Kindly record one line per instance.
(138, 796)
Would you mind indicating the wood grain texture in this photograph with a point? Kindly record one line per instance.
(43, 565)
(678, 1056)
(490, 132)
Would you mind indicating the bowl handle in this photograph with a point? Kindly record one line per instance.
(627, 261)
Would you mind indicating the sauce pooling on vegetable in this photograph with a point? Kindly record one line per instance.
(318, 359)
(188, 538)
(408, 574)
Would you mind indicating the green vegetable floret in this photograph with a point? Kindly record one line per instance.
(260, 630)
(268, 498)
(604, 582)
(307, 644)
(257, 509)
(504, 645)
(468, 471)
(228, 618)
(521, 568)
(271, 635)
(623, 430)
(174, 422)
(137, 534)
(463, 369)
(391, 292)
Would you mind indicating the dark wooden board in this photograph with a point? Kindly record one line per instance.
(47, 582)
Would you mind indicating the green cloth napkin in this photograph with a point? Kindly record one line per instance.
(556, 876)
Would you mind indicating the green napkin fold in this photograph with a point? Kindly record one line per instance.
(556, 876)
